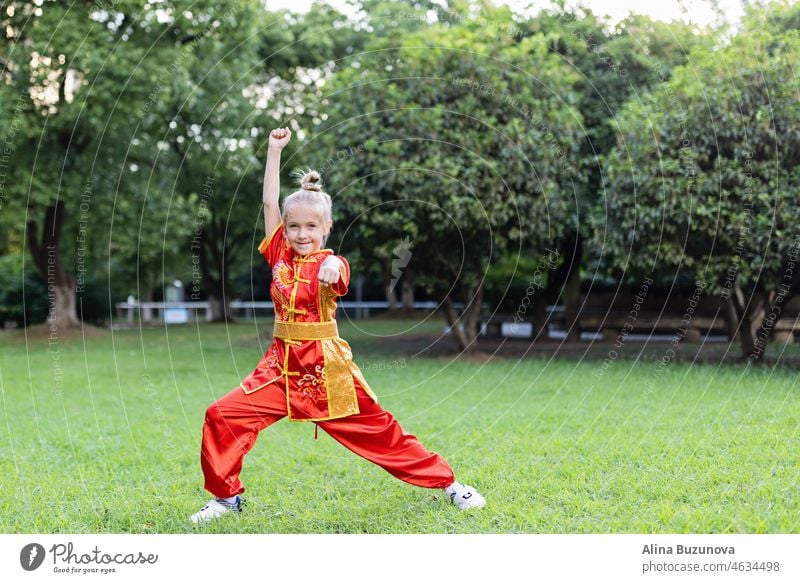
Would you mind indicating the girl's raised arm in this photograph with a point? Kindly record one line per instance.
(278, 139)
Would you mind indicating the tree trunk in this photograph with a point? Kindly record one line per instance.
(389, 287)
(216, 287)
(220, 310)
(465, 328)
(564, 280)
(774, 302)
(541, 320)
(452, 319)
(408, 291)
(752, 313)
(572, 306)
(572, 291)
(149, 296)
(63, 309)
(472, 317)
(747, 337)
(731, 318)
(61, 298)
(218, 302)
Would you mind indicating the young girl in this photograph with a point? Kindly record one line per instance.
(308, 372)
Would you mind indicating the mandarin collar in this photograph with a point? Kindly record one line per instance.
(300, 258)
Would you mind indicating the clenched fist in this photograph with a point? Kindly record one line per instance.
(278, 138)
(329, 271)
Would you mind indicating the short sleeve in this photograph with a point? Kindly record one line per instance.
(274, 246)
(340, 287)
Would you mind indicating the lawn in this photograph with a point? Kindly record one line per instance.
(100, 434)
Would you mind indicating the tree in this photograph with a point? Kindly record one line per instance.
(258, 71)
(84, 85)
(462, 143)
(213, 136)
(704, 179)
(614, 63)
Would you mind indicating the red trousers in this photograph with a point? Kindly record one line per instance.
(233, 422)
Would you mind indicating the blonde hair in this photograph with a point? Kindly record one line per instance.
(310, 194)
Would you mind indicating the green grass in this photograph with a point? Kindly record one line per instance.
(102, 435)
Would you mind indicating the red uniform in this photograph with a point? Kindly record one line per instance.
(308, 373)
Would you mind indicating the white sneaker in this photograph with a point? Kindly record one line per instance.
(215, 509)
(465, 497)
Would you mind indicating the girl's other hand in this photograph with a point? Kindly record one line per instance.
(329, 271)
(279, 137)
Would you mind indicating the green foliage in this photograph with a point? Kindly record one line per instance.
(211, 175)
(614, 64)
(704, 176)
(123, 111)
(464, 143)
(512, 278)
(473, 133)
(776, 16)
(92, 83)
(23, 294)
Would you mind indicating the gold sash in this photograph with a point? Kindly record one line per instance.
(306, 330)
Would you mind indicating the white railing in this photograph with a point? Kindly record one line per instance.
(179, 312)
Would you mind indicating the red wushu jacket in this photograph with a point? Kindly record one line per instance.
(306, 356)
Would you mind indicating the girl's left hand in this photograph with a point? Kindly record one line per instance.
(329, 271)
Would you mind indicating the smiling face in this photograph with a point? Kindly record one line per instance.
(305, 228)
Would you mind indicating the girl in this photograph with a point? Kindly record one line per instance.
(308, 373)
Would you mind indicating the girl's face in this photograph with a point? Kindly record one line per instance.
(305, 229)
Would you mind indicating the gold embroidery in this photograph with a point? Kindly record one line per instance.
(281, 306)
(310, 258)
(283, 274)
(326, 303)
(356, 372)
(312, 386)
(342, 399)
(271, 358)
(270, 361)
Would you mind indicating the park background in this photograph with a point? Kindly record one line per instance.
(576, 241)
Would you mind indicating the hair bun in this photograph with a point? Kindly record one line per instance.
(311, 181)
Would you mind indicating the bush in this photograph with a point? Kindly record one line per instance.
(23, 293)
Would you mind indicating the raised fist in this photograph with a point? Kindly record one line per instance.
(278, 138)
